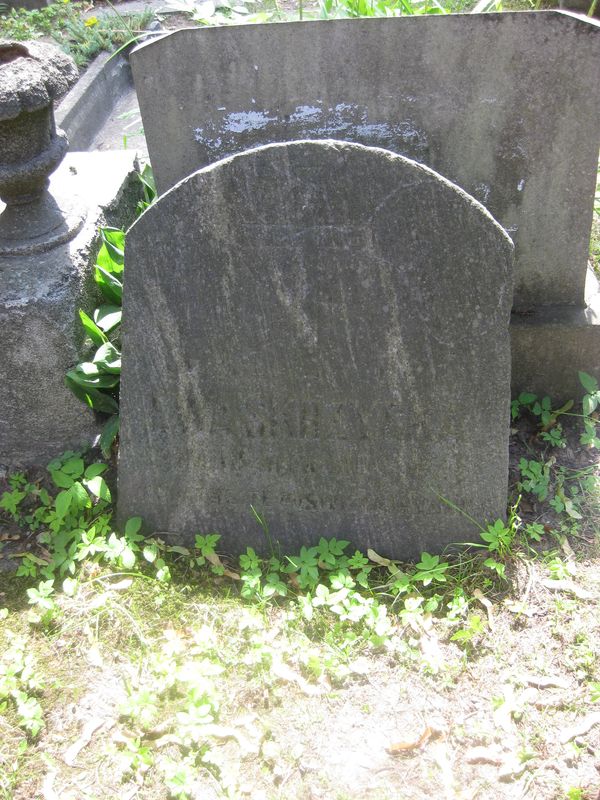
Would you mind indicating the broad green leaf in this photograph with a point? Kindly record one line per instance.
(98, 487)
(147, 179)
(99, 401)
(150, 552)
(107, 317)
(110, 286)
(108, 358)
(74, 466)
(589, 383)
(589, 404)
(95, 469)
(87, 368)
(61, 479)
(205, 10)
(127, 557)
(69, 586)
(92, 330)
(62, 503)
(132, 526)
(572, 510)
(109, 433)
(111, 255)
(89, 381)
(79, 494)
(175, 548)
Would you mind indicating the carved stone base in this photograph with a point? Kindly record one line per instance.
(41, 225)
(40, 296)
(551, 344)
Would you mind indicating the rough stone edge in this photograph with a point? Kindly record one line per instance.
(339, 143)
(489, 15)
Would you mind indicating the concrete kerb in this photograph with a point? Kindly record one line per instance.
(85, 108)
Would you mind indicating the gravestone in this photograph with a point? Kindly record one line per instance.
(507, 106)
(320, 330)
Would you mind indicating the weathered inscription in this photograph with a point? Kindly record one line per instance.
(304, 420)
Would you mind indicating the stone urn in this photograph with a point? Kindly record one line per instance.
(32, 76)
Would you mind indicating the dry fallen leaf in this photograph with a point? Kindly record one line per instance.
(518, 607)
(488, 606)
(247, 747)
(404, 747)
(567, 586)
(86, 736)
(216, 561)
(545, 681)
(94, 656)
(48, 790)
(432, 654)
(285, 673)
(511, 769)
(503, 713)
(270, 751)
(568, 550)
(119, 586)
(372, 556)
(580, 728)
(484, 755)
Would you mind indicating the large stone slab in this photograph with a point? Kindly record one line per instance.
(318, 329)
(505, 105)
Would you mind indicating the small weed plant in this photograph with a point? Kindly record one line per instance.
(20, 685)
(550, 430)
(96, 380)
(541, 478)
(333, 603)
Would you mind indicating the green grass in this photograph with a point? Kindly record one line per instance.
(258, 676)
(64, 24)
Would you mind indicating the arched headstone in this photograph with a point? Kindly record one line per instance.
(506, 105)
(320, 330)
